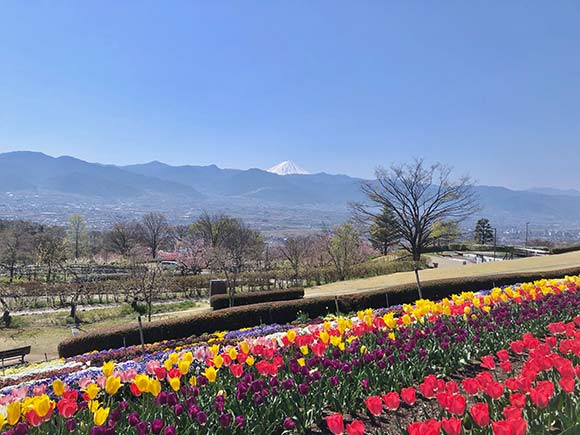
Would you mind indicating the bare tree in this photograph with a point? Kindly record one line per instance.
(15, 247)
(155, 232)
(77, 235)
(213, 229)
(50, 249)
(295, 249)
(343, 249)
(418, 195)
(121, 239)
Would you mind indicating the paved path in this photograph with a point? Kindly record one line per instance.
(532, 264)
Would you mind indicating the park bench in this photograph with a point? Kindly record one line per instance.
(12, 354)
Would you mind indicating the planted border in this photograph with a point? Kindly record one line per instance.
(219, 302)
(286, 311)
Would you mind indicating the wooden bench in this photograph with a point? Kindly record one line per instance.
(12, 354)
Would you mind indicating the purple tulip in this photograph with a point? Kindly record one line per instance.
(170, 430)
(289, 424)
(303, 389)
(71, 424)
(201, 418)
(225, 420)
(240, 421)
(156, 426)
(133, 419)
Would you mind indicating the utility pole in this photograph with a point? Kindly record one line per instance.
(494, 242)
(527, 232)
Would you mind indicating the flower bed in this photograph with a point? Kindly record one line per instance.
(310, 378)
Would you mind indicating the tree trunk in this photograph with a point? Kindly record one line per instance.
(419, 290)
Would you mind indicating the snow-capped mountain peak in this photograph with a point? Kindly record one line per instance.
(286, 168)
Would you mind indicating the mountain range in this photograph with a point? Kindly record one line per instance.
(263, 196)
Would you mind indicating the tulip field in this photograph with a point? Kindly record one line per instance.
(503, 361)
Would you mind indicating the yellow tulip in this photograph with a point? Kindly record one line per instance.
(142, 382)
(175, 383)
(173, 357)
(112, 385)
(304, 350)
(406, 319)
(93, 405)
(108, 368)
(2, 420)
(250, 360)
(92, 390)
(183, 367)
(301, 362)
(188, 356)
(291, 335)
(168, 364)
(13, 412)
(41, 405)
(154, 387)
(233, 353)
(215, 349)
(218, 361)
(210, 373)
(245, 347)
(363, 349)
(58, 387)
(193, 381)
(100, 417)
(324, 337)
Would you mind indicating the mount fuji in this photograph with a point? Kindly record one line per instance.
(287, 168)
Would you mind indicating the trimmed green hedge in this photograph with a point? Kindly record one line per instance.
(286, 311)
(564, 249)
(219, 302)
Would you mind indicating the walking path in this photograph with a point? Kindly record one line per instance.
(530, 264)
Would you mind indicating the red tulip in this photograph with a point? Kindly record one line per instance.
(567, 384)
(517, 346)
(503, 355)
(443, 399)
(487, 362)
(428, 427)
(392, 400)
(483, 378)
(451, 426)
(502, 427)
(135, 390)
(237, 370)
(357, 427)
(451, 387)
(494, 390)
(518, 400)
(161, 373)
(374, 405)
(519, 426)
(510, 412)
(456, 404)
(67, 408)
(409, 395)
(470, 385)
(542, 394)
(480, 414)
(335, 423)
(506, 366)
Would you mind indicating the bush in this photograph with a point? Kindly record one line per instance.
(564, 249)
(287, 311)
(219, 302)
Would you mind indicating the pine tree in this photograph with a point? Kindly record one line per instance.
(483, 232)
(384, 231)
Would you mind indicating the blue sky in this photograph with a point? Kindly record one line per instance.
(492, 88)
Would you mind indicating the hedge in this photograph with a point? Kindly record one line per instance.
(564, 249)
(219, 302)
(286, 311)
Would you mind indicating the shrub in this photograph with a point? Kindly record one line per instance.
(219, 302)
(287, 311)
(564, 249)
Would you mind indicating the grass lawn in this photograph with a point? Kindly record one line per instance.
(44, 332)
(531, 264)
